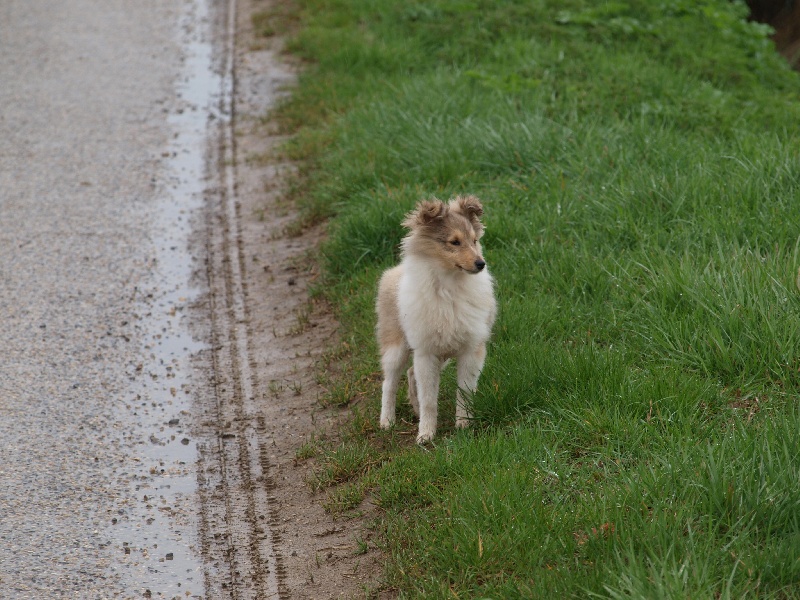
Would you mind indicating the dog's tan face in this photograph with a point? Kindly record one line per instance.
(449, 233)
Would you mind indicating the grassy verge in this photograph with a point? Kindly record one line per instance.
(637, 423)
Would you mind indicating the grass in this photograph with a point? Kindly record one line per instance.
(636, 425)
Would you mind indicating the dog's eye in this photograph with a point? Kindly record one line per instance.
(455, 243)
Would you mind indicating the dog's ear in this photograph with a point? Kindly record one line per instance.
(427, 212)
(470, 207)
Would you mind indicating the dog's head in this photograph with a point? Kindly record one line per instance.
(448, 233)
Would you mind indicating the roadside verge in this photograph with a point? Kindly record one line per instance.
(263, 533)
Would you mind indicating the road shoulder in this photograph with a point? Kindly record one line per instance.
(275, 529)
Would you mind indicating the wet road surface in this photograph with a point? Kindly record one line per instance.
(104, 106)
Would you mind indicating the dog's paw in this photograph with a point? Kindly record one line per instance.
(386, 423)
(462, 422)
(424, 439)
(425, 436)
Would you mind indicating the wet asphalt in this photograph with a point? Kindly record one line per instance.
(101, 137)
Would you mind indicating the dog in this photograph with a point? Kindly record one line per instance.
(438, 303)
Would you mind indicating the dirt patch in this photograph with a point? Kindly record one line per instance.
(287, 335)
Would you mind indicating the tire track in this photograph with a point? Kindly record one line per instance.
(237, 538)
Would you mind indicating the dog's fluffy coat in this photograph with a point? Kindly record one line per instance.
(439, 303)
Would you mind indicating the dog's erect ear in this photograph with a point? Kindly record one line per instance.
(427, 212)
(470, 207)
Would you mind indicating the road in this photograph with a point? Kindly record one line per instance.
(120, 475)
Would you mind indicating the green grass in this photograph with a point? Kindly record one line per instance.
(531, 512)
(636, 425)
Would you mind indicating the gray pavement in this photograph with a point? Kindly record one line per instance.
(100, 177)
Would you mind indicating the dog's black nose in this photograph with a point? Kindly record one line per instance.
(479, 264)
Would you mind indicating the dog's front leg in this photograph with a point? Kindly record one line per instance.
(470, 365)
(427, 369)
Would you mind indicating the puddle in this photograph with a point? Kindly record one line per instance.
(154, 536)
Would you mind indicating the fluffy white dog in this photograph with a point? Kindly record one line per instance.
(439, 303)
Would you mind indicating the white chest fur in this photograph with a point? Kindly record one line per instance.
(444, 313)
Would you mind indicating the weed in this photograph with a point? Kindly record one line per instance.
(302, 316)
(346, 497)
(275, 387)
(344, 463)
(308, 449)
(361, 547)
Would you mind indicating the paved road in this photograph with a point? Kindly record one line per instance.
(100, 164)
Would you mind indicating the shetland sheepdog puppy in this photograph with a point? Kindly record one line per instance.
(438, 304)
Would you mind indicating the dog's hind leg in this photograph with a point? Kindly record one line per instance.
(412, 391)
(470, 365)
(427, 372)
(393, 361)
